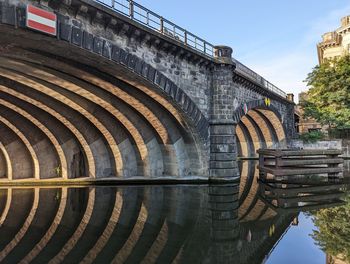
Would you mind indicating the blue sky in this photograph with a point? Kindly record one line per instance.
(276, 38)
(297, 246)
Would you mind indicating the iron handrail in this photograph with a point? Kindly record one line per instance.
(252, 75)
(142, 15)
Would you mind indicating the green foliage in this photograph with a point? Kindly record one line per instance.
(328, 99)
(312, 137)
(333, 234)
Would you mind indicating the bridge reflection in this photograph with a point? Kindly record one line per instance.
(154, 224)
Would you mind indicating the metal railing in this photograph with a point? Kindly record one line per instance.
(252, 75)
(144, 16)
(156, 22)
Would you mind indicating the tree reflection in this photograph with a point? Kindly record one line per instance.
(333, 234)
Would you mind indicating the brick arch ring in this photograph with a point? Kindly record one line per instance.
(61, 90)
(108, 50)
(259, 125)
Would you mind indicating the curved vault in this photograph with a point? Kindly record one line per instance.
(259, 128)
(65, 120)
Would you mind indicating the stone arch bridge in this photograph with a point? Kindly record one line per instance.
(116, 91)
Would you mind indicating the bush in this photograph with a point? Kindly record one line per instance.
(312, 137)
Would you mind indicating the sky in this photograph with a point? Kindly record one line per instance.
(275, 38)
(298, 239)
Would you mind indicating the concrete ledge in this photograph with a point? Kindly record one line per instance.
(116, 181)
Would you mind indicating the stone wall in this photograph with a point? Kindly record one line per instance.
(324, 144)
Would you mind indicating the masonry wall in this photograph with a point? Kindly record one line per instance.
(189, 76)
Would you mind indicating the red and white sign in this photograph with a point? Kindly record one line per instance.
(41, 20)
(245, 108)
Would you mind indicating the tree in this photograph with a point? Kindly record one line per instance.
(333, 234)
(328, 99)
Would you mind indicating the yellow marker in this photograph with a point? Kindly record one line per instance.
(267, 101)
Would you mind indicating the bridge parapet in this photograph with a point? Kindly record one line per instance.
(142, 15)
(146, 17)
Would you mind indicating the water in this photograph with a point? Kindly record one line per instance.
(247, 223)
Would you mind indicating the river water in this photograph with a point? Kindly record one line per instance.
(251, 222)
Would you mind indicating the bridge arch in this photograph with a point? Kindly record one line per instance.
(259, 125)
(126, 122)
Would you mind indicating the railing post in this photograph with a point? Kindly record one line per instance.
(205, 47)
(161, 25)
(185, 38)
(131, 8)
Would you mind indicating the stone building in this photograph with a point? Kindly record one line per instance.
(335, 43)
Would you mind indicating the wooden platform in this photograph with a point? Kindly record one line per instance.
(288, 162)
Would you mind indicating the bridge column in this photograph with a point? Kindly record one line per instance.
(224, 235)
(223, 148)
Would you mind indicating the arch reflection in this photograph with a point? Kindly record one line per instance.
(237, 223)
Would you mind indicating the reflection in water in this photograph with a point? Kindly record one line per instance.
(237, 223)
(333, 232)
(301, 196)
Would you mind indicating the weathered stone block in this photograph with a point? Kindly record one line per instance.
(222, 129)
(223, 156)
(162, 82)
(132, 62)
(223, 164)
(7, 15)
(98, 44)
(173, 91)
(223, 139)
(138, 66)
(223, 198)
(65, 32)
(151, 74)
(88, 41)
(224, 215)
(116, 53)
(168, 86)
(224, 189)
(107, 47)
(145, 68)
(223, 148)
(223, 173)
(123, 57)
(224, 206)
(77, 36)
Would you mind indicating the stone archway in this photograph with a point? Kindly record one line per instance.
(259, 127)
